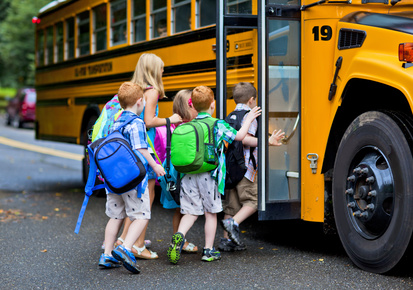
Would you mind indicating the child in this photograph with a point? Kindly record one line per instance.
(241, 201)
(128, 204)
(185, 109)
(148, 75)
(199, 191)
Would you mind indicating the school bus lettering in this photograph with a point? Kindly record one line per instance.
(325, 31)
(100, 68)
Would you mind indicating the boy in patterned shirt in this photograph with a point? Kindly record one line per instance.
(129, 204)
(241, 202)
(200, 192)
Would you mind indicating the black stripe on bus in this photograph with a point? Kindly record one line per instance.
(198, 67)
(147, 46)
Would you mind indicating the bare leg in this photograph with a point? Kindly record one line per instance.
(111, 231)
(135, 230)
(187, 221)
(126, 225)
(210, 229)
(244, 213)
(176, 219)
(140, 242)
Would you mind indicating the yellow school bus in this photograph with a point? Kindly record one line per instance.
(336, 76)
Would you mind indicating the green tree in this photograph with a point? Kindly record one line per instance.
(17, 41)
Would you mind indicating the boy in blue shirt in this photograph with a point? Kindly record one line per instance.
(200, 193)
(128, 204)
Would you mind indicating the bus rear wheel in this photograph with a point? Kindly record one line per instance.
(373, 191)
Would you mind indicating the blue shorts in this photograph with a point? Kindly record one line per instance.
(151, 174)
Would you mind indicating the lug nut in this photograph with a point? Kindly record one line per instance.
(372, 193)
(357, 170)
(365, 170)
(351, 204)
(350, 191)
(370, 179)
(370, 206)
(351, 178)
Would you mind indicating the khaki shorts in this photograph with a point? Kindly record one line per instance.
(120, 206)
(245, 193)
(199, 194)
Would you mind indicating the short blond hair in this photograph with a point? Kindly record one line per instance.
(202, 98)
(181, 106)
(128, 94)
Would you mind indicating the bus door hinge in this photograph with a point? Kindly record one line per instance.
(313, 157)
(333, 86)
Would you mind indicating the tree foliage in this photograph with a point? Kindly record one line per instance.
(17, 36)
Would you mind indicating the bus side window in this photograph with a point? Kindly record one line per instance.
(99, 26)
(181, 11)
(70, 38)
(207, 15)
(49, 45)
(239, 7)
(40, 48)
(83, 39)
(59, 41)
(158, 18)
(139, 20)
(118, 22)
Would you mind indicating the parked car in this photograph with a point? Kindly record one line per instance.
(21, 108)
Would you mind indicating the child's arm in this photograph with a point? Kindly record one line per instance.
(155, 166)
(274, 140)
(150, 108)
(254, 113)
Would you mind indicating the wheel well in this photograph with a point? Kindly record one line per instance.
(358, 97)
(91, 110)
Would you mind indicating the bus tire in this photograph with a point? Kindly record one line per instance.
(374, 216)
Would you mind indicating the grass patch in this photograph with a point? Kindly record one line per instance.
(7, 92)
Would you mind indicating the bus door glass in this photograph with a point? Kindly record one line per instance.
(279, 77)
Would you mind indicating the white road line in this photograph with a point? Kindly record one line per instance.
(40, 149)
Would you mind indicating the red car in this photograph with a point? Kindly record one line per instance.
(21, 108)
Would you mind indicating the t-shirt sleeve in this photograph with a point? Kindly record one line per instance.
(253, 127)
(137, 135)
(224, 132)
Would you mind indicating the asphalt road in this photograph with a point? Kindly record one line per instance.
(40, 198)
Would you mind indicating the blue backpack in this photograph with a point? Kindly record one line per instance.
(121, 167)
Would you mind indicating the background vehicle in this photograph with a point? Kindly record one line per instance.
(21, 108)
(336, 76)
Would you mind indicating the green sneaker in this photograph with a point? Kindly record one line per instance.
(175, 248)
(209, 255)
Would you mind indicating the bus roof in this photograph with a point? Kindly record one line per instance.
(53, 5)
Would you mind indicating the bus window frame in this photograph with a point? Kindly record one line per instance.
(95, 30)
(118, 24)
(49, 48)
(174, 11)
(70, 41)
(153, 24)
(81, 23)
(136, 18)
(59, 42)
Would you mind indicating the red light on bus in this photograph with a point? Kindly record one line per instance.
(406, 51)
(35, 20)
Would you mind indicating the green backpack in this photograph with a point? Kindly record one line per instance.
(193, 146)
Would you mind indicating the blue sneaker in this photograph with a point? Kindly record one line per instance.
(127, 258)
(232, 229)
(209, 255)
(175, 248)
(107, 262)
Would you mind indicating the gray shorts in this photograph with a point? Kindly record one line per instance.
(120, 206)
(199, 194)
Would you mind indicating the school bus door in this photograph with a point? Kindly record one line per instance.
(279, 96)
(277, 79)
